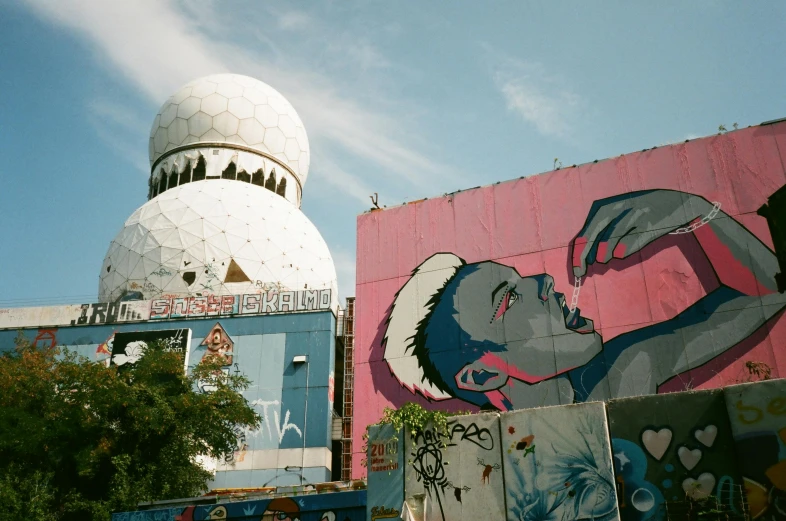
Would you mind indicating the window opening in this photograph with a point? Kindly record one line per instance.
(243, 176)
(185, 175)
(199, 171)
(161, 181)
(270, 184)
(282, 187)
(173, 178)
(258, 178)
(230, 172)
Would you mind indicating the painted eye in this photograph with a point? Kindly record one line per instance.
(508, 300)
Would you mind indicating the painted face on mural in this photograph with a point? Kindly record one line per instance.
(492, 325)
(281, 509)
(486, 335)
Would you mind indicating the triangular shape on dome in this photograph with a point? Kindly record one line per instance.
(235, 273)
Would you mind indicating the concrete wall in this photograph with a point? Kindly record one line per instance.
(167, 308)
(337, 506)
(713, 454)
(295, 400)
(461, 473)
(465, 301)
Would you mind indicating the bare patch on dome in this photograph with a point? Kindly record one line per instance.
(189, 277)
(235, 273)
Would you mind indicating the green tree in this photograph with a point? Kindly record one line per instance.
(79, 440)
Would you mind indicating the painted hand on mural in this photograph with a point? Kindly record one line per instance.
(619, 226)
(639, 361)
(484, 333)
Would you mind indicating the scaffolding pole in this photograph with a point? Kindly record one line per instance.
(349, 389)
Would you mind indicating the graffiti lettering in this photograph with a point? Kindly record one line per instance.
(168, 307)
(749, 414)
(777, 406)
(109, 313)
(383, 455)
(429, 464)
(248, 304)
(45, 338)
(473, 434)
(384, 513)
(281, 428)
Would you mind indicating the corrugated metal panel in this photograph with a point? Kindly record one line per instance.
(335, 430)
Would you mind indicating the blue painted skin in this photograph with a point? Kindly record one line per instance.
(503, 341)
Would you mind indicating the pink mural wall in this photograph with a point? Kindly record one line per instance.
(465, 302)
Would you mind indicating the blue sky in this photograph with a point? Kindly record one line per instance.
(408, 99)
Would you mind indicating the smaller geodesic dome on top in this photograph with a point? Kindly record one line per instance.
(215, 238)
(228, 126)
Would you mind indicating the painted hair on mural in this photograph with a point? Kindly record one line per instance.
(405, 353)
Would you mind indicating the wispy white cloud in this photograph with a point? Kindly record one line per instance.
(343, 182)
(158, 45)
(155, 46)
(119, 115)
(540, 98)
(294, 20)
(147, 41)
(123, 130)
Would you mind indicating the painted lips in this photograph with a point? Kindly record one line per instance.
(573, 319)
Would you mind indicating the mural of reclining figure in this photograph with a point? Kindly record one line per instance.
(483, 333)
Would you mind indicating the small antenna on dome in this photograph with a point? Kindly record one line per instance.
(375, 201)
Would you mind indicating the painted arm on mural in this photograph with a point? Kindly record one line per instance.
(638, 361)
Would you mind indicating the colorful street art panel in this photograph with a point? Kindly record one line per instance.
(674, 454)
(459, 472)
(557, 464)
(385, 463)
(339, 506)
(127, 348)
(643, 274)
(758, 420)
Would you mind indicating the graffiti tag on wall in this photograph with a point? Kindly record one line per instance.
(472, 441)
(168, 307)
(249, 304)
(109, 313)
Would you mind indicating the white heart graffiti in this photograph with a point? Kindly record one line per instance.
(699, 488)
(656, 443)
(689, 458)
(707, 435)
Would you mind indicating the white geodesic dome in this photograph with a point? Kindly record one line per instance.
(215, 237)
(235, 109)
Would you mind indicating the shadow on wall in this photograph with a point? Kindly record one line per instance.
(717, 454)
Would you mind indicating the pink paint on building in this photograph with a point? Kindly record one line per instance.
(443, 282)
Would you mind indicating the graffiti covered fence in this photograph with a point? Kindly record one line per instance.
(705, 455)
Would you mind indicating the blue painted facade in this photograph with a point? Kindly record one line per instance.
(335, 506)
(292, 447)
